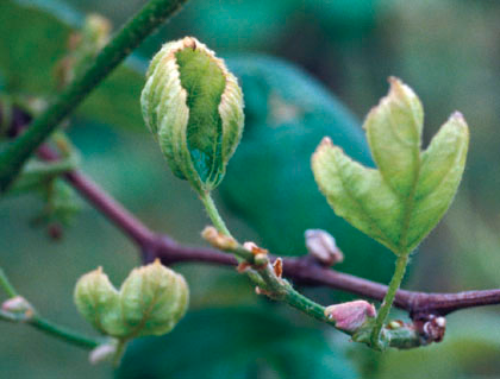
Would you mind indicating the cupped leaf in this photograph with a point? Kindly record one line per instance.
(402, 201)
(97, 301)
(151, 301)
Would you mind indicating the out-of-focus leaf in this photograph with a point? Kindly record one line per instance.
(233, 344)
(232, 24)
(33, 42)
(269, 182)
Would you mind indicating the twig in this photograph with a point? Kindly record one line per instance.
(151, 16)
(25, 313)
(301, 270)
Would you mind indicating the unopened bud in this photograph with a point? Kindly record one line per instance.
(322, 246)
(254, 249)
(18, 305)
(261, 260)
(218, 240)
(352, 315)
(194, 107)
(103, 353)
(278, 267)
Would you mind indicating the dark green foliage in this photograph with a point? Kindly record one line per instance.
(269, 182)
(26, 68)
(236, 344)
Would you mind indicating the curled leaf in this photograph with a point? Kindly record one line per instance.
(194, 107)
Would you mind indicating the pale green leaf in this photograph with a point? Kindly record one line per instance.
(153, 299)
(97, 301)
(402, 201)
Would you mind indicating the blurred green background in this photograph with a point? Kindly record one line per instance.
(447, 50)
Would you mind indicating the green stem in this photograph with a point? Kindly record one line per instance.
(33, 319)
(64, 334)
(384, 310)
(120, 350)
(214, 215)
(6, 285)
(6, 316)
(151, 16)
(281, 290)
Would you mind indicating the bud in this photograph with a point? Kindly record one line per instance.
(83, 48)
(151, 301)
(95, 32)
(322, 246)
(218, 240)
(103, 353)
(254, 248)
(401, 201)
(194, 107)
(18, 305)
(352, 315)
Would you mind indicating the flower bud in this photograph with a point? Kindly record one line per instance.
(151, 301)
(194, 107)
(103, 353)
(322, 246)
(18, 305)
(352, 315)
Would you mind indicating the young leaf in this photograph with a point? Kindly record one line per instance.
(270, 186)
(402, 201)
(194, 107)
(151, 301)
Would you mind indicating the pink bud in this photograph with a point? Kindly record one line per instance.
(321, 245)
(16, 304)
(351, 315)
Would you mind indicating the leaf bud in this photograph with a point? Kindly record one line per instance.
(352, 315)
(103, 353)
(194, 107)
(18, 305)
(322, 246)
(218, 240)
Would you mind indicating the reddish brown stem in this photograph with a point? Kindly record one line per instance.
(303, 270)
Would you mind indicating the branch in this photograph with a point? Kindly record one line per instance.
(150, 17)
(303, 270)
(422, 307)
(18, 310)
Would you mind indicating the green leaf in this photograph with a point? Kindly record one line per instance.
(151, 301)
(97, 301)
(269, 183)
(33, 43)
(236, 343)
(402, 201)
(194, 108)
